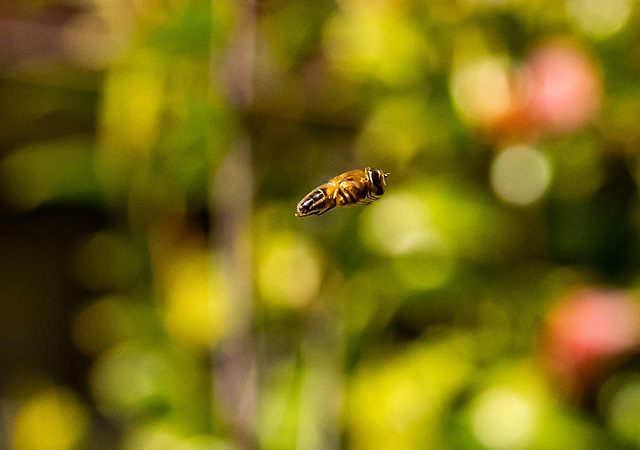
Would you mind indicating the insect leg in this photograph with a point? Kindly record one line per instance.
(322, 212)
(341, 197)
(350, 192)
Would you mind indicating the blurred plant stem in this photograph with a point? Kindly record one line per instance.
(234, 360)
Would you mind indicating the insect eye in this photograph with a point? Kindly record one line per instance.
(374, 176)
(377, 182)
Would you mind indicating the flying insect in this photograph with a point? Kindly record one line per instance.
(356, 187)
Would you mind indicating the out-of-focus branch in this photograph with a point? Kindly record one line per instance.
(234, 360)
(238, 67)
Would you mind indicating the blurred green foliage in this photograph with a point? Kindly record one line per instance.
(488, 300)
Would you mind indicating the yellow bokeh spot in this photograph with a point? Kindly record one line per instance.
(381, 44)
(600, 18)
(397, 402)
(480, 89)
(288, 271)
(399, 225)
(53, 419)
(195, 300)
(133, 101)
(164, 436)
(503, 419)
(396, 132)
(520, 174)
(126, 380)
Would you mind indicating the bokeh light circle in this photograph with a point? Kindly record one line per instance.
(520, 174)
(399, 225)
(51, 419)
(563, 85)
(600, 18)
(289, 271)
(481, 90)
(502, 419)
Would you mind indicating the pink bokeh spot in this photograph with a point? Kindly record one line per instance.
(563, 88)
(591, 325)
(556, 89)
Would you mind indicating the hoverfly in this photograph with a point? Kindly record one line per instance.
(356, 187)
